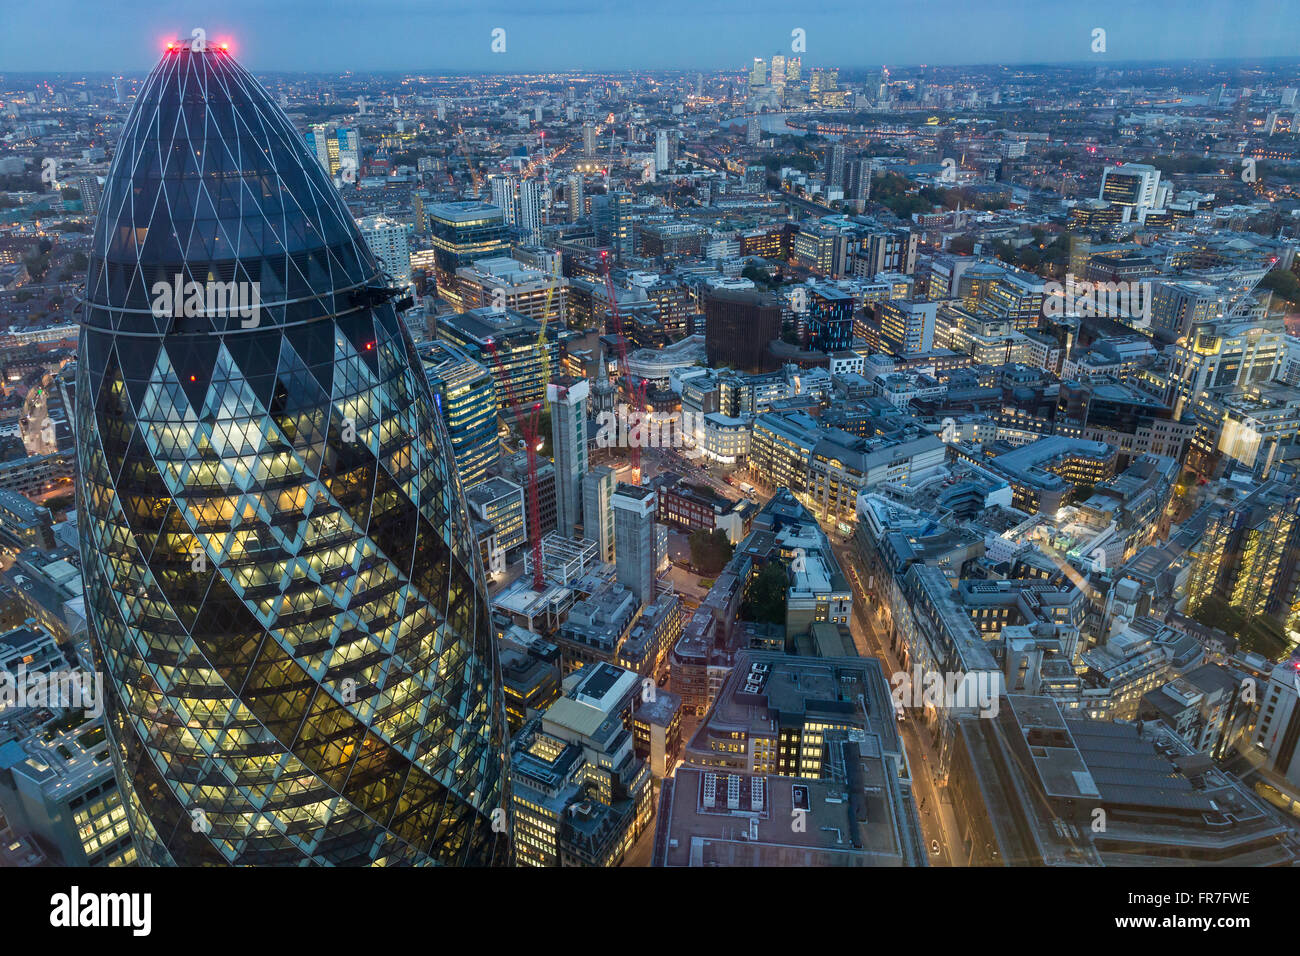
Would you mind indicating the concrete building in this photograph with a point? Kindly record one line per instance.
(1033, 787)
(597, 511)
(568, 398)
(634, 539)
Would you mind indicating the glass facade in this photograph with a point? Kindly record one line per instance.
(280, 579)
(465, 396)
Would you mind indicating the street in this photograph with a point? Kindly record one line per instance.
(937, 819)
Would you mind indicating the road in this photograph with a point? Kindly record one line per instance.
(658, 460)
(937, 819)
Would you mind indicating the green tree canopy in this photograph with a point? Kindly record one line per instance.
(765, 601)
(710, 551)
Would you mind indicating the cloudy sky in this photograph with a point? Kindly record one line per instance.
(331, 36)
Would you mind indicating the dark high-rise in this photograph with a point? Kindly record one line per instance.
(280, 582)
(739, 324)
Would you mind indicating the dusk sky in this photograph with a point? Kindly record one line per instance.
(319, 35)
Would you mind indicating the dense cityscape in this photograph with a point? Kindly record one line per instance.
(795, 464)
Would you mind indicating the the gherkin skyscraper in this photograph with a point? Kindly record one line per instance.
(279, 572)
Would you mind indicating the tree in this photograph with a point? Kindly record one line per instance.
(765, 600)
(1284, 284)
(710, 551)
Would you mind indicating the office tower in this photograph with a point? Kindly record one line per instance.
(758, 73)
(857, 179)
(1134, 187)
(498, 504)
(834, 174)
(117, 90)
(317, 139)
(739, 324)
(1246, 556)
(753, 132)
(597, 513)
(506, 283)
(56, 782)
(793, 66)
(905, 326)
(828, 319)
(573, 195)
(620, 223)
(461, 232)
(1226, 353)
(1178, 306)
(778, 73)
(419, 215)
(465, 395)
(1277, 733)
(349, 152)
(388, 242)
(634, 539)
(332, 150)
(588, 139)
(886, 250)
(661, 149)
(582, 795)
(88, 186)
(281, 587)
(510, 346)
(568, 398)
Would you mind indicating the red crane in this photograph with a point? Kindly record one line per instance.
(635, 392)
(528, 421)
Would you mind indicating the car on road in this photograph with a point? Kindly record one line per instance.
(934, 847)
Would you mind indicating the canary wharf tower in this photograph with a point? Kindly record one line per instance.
(279, 573)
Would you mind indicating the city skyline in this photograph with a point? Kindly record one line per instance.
(689, 36)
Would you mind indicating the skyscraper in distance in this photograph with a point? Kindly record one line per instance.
(573, 194)
(281, 585)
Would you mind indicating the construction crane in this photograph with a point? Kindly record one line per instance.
(543, 348)
(463, 146)
(527, 417)
(635, 392)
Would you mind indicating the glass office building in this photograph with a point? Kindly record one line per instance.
(465, 395)
(280, 579)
